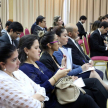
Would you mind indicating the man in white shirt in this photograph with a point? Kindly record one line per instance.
(13, 32)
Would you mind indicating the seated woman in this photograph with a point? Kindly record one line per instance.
(57, 21)
(76, 69)
(49, 43)
(95, 26)
(17, 90)
(29, 54)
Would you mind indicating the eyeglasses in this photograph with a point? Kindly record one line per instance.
(18, 34)
(54, 42)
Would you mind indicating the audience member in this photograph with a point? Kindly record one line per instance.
(97, 47)
(40, 25)
(99, 18)
(49, 44)
(80, 26)
(95, 26)
(33, 27)
(105, 35)
(78, 55)
(16, 89)
(10, 20)
(57, 21)
(29, 54)
(13, 32)
(106, 17)
(75, 69)
(103, 19)
(6, 27)
(1, 27)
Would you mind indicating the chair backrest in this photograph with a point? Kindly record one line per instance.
(86, 46)
(88, 40)
(27, 31)
(22, 34)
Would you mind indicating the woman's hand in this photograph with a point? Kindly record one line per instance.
(64, 61)
(38, 97)
(85, 66)
(74, 78)
(61, 73)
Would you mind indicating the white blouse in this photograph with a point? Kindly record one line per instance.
(17, 93)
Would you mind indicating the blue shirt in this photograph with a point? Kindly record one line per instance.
(41, 76)
(76, 69)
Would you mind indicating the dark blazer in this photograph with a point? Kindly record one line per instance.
(81, 30)
(47, 60)
(77, 56)
(33, 27)
(97, 47)
(37, 29)
(5, 38)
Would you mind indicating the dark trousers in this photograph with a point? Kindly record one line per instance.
(87, 74)
(96, 90)
(83, 101)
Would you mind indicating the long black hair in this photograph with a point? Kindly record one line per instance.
(26, 41)
(6, 51)
(45, 39)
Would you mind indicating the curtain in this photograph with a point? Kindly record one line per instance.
(4, 12)
(92, 9)
(26, 11)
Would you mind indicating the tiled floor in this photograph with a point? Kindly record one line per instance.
(102, 68)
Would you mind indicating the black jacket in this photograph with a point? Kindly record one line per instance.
(47, 60)
(5, 38)
(77, 56)
(81, 30)
(97, 47)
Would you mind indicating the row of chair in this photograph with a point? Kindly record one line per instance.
(96, 59)
(26, 32)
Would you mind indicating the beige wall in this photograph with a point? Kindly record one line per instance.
(10, 9)
(4, 11)
(0, 9)
(90, 8)
(26, 11)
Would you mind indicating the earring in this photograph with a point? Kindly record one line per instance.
(27, 56)
(5, 69)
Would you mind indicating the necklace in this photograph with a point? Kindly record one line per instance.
(55, 62)
(36, 66)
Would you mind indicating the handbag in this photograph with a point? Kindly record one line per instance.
(66, 91)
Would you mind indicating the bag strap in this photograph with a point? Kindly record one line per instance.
(60, 79)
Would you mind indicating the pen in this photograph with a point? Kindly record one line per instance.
(84, 61)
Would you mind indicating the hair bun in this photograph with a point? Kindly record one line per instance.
(41, 33)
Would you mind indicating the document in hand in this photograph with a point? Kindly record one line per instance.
(90, 69)
(79, 82)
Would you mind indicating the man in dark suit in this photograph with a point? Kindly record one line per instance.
(40, 25)
(13, 32)
(97, 45)
(78, 55)
(80, 26)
